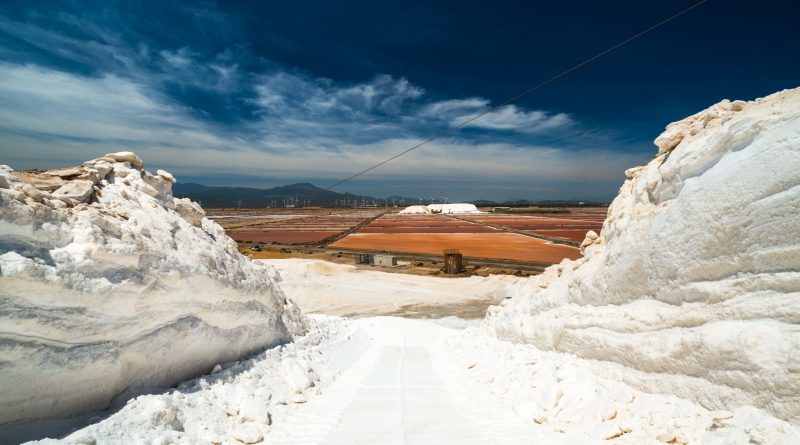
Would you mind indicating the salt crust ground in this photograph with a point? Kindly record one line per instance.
(386, 380)
(109, 285)
(339, 289)
(693, 289)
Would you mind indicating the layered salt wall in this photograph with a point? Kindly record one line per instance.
(109, 285)
(693, 288)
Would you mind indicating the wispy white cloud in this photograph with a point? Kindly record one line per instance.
(446, 109)
(45, 103)
(38, 113)
(297, 94)
(384, 107)
(180, 59)
(509, 117)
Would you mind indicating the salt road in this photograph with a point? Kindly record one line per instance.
(403, 390)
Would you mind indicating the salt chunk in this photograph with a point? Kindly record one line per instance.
(247, 433)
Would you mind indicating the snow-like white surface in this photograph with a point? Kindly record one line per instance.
(238, 401)
(570, 402)
(403, 389)
(109, 285)
(338, 289)
(415, 210)
(693, 289)
(448, 209)
(386, 380)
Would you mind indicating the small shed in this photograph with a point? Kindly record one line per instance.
(363, 258)
(384, 260)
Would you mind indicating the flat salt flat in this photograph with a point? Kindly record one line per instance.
(337, 289)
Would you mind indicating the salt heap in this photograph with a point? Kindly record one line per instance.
(693, 288)
(448, 209)
(109, 284)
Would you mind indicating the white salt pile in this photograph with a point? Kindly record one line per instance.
(237, 402)
(110, 285)
(448, 209)
(693, 289)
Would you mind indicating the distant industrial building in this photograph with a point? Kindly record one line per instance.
(376, 260)
(384, 260)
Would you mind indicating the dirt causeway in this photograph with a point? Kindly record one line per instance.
(281, 237)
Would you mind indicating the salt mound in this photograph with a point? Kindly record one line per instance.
(111, 285)
(693, 288)
(448, 209)
(415, 210)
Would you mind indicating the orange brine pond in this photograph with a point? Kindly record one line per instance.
(571, 228)
(507, 246)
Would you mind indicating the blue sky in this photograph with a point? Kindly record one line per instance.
(268, 93)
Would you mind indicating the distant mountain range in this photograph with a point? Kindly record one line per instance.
(295, 195)
(305, 194)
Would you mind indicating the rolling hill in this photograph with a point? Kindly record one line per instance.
(300, 194)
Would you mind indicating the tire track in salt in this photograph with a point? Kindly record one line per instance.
(311, 423)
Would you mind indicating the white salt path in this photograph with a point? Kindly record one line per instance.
(397, 393)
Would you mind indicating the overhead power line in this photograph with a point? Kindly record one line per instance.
(524, 93)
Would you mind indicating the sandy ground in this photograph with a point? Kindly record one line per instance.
(419, 266)
(509, 246)
(337, 289)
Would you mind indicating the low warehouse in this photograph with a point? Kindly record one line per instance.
(384, 260)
